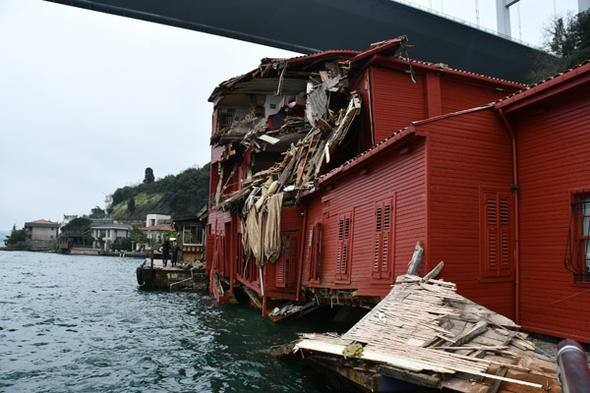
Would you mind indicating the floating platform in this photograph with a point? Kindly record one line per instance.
(153, 275)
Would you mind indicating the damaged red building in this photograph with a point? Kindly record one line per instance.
(499, 192)
(314, 195)
(273, 125)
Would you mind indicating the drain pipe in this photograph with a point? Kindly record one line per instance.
(515, 189)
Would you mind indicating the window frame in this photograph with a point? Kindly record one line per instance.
(579, 260)
(184, 228)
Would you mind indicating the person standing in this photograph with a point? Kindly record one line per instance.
(174, 259)
(165, 251)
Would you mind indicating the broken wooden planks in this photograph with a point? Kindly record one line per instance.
(424, 330)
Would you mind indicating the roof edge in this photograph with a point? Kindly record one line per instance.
(542, 90)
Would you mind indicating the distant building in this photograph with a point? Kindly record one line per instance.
(157, 219)
(190, 240)
(156, 233)
(105, 234)
(41, 234)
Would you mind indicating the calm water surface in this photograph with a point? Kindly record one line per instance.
(79, 324)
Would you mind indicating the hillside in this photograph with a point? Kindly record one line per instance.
(176, 195)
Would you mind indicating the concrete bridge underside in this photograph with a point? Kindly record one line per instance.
(309, 25)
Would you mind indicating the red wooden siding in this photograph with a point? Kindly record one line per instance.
(396, 100)
(553, 151)
(461, 93)
(398, 174)
(469, 162)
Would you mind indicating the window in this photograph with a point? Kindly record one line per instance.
(496, 234)
(314, 252)
(225, 118)
(189, 234)
(383, 239)
(286, 266)
(579, 258)
(343, 254)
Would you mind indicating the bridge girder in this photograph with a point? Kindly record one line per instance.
(308, 25)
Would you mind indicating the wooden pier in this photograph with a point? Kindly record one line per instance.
(152, 274)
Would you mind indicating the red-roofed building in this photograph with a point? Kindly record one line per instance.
(41, 234)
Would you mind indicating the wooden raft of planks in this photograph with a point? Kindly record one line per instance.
(426, 333)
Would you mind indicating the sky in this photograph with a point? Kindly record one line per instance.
(89, 100)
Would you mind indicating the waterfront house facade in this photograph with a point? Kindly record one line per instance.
(41, 234)
(191, 235)
(105, 234)
(500, 193)
(275, 128)
(153, 219)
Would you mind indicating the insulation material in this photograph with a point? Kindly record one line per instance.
(272, 227)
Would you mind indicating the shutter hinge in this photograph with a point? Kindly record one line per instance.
(515, 187)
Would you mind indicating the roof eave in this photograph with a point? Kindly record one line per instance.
(544, 90)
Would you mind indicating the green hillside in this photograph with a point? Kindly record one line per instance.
(176, 195)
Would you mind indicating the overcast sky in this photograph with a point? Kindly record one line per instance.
(88, 100)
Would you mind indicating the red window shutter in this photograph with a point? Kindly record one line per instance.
(340, 247)
(281, 264)
(309, 251)
(386, 240)
(377, 245)
(317, 250)
(344, 244)
(280, 273)
(504, 229)
(497, 258)
(382, 239)
(492, 233)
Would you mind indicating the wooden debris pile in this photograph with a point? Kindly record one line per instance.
(426, 333)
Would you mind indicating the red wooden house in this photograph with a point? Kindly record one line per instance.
(394, 91)
(500, 192)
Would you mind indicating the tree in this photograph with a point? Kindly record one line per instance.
(137, 236)
(78, 225)
(569, 40)
(79, 228)
(149, 176)
(17, 239)
(122, 244)
(97, 212)
(131, 204)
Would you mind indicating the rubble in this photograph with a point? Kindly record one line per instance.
(425, 333)
(292, 120)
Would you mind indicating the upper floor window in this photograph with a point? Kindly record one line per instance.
(189, 234)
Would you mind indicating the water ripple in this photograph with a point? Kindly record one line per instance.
(79, 323)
